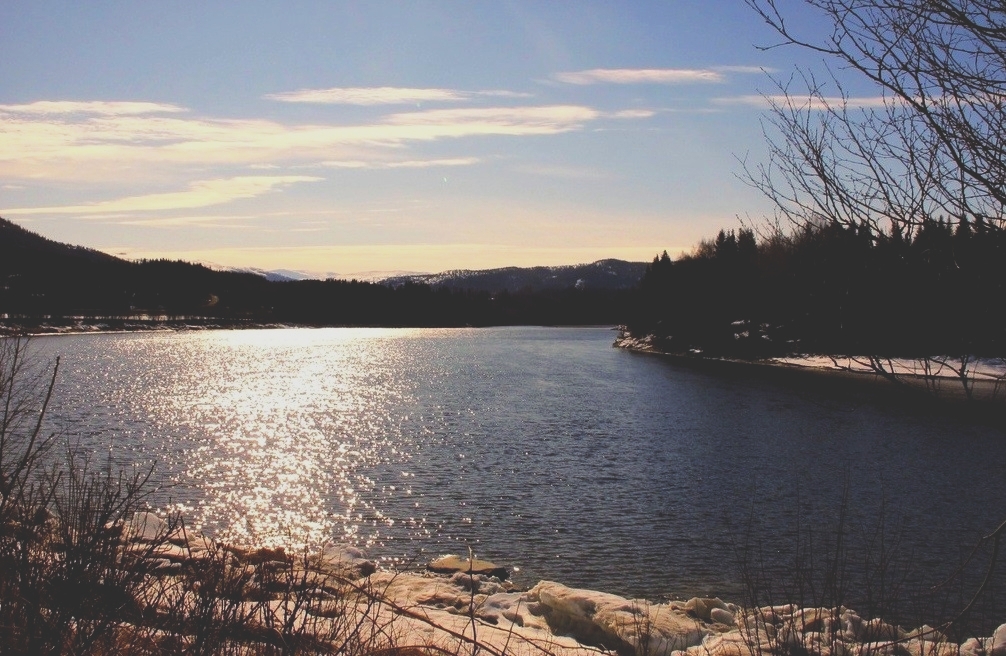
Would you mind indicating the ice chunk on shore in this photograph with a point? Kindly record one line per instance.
(999, 641)
(600, 618)
(147, 526)
(345, 560)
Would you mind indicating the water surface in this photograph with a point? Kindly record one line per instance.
(541, 448)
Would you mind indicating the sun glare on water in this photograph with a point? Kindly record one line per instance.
(280, 454)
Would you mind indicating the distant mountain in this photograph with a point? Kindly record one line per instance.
(43, 281)
(378, 276)
(288, 275)
(601, 275)
(276, 275)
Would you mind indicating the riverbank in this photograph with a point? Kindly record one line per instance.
(928, 383)
(194, 595)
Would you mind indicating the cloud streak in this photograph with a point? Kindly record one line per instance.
(746, 70)
(187, 221)
(632, 113)
(98, 107)
(641, 76)
(203, 193)
(384, 95)
(434, 123)
(713, 74)
(367, 96)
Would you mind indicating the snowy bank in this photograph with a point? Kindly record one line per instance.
(948, 378)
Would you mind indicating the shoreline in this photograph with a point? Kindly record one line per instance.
(104, 326)
(934, 393)
(118, 326)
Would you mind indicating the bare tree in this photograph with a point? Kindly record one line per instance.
(930, 144)
(933, 143)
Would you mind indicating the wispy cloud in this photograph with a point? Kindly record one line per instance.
(713, 74)
(745, 70)
(812, 103)
(143, 146)
(384, 95)
(551, 119)
(186, 221)
(640, 76)
(501, 93)
(203, 193)
(367, 96)
(98, 107)
(632, 113)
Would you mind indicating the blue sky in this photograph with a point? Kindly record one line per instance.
(341, 138)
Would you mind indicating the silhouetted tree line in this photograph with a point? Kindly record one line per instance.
(833, 288)
(41, 279)
(334, 302)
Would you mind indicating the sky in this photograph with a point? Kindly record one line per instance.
(350, 139)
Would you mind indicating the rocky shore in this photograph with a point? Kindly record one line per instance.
(335, 600)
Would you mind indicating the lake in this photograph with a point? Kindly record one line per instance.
(543, 449)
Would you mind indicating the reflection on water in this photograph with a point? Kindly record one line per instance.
(262, 437)
(541, 448)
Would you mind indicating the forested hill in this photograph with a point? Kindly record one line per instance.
(41, 279)
(22, 249)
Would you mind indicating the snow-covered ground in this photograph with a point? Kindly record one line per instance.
(988, 369)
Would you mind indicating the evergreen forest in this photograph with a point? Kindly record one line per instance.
(832, 288)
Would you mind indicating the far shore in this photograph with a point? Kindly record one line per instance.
(88, 325)
(988, 391)
(95, 326)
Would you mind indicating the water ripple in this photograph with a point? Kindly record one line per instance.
(542, 448)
